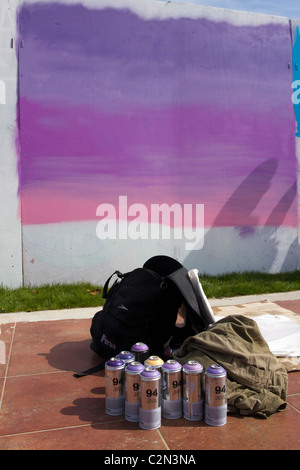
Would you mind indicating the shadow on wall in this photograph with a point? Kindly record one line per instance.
(230, 247)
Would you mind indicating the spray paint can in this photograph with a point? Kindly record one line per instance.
(215, 395)
(140, 352)
(132, 391)
(126, 357)
(114, 387)
(192, 391)
(154, 361)
(171, 389)
(150, 399)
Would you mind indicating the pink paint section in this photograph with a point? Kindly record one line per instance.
(45, 205)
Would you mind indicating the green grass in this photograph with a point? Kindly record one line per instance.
(248, 283)
(50, 297)
(58, 296)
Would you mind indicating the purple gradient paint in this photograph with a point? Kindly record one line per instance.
(161, 110)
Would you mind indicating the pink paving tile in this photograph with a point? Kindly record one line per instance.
(37, 357)
(281, 431)
(53, 330)
(294, 400)
(293, 305)
(52, 346)
(293, 382)
(45, 407)
(52, 400)
(6, 335)
(107, 436)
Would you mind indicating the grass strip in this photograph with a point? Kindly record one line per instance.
(64, 296)
(50, 297)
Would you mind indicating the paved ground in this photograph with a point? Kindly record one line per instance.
(44, 407)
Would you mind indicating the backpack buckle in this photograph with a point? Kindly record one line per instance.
(163, 285)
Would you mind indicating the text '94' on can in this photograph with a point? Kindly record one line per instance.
(172, 389)
(132, 392)
(150, 398)
(192, 395)
(215, 395)
(114, 387)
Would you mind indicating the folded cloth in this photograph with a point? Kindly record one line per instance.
(256, 380)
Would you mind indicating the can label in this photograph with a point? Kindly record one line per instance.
(150, 399)
(172, 390)
(215, 396)
(150, 394)
(114, 387)
(132, 385)
(114, 383)
(192, 397)
(172, 386)
(216, 391)
(132, 398)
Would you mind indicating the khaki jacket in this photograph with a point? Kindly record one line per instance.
(256, 380)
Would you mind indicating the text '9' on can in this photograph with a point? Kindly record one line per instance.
(215, 395)
(114, 387)
(192, 391)
(171, 389)
(132, 391)
(140, 352)
(150, 398)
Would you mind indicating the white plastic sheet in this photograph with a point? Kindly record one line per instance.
(281, 334)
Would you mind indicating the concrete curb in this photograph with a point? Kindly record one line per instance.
(49, 315)
(246, 299)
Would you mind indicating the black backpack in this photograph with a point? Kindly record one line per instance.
(142, 306)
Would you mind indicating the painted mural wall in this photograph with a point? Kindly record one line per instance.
(10, 221)
(147, 128)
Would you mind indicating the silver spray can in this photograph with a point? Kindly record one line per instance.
(126, 357)
(132, 391)
(215, 395)
(114, 387)
(171, 389)
(192, 391)
(150, 398)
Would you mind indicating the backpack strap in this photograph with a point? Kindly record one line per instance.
(105, 288)
(90, 371)
(100, 366)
